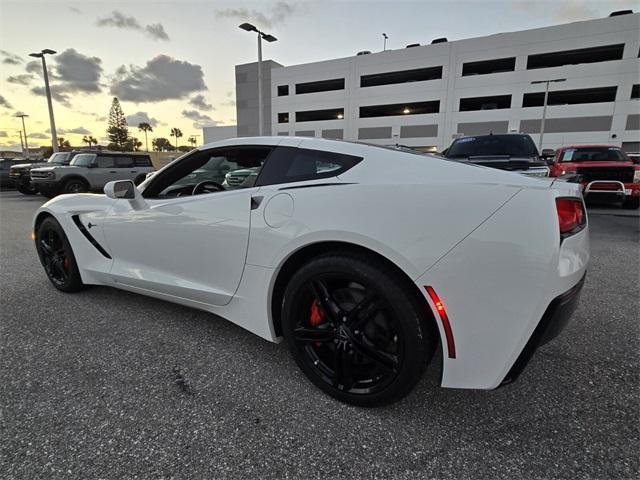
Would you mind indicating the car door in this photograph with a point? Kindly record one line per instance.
(125, 168)
(188, 246)
(103, 170)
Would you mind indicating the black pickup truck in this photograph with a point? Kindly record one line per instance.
(515, 152)
(21, 173)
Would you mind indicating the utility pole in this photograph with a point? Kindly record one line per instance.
(544, 103)
(52, 123)
(24, 130)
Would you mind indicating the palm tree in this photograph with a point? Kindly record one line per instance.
(89, 140)
(63, 143)
(176, 132)
(192, 140)
(145, 127)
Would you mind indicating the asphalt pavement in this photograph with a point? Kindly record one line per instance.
(108, 384)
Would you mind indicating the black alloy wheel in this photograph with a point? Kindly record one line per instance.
(354, 331)
(56, 256)
(75, 186)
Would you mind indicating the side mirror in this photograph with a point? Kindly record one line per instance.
(125, 189)
(92, 165)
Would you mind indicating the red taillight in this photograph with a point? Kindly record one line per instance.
(571, 216)
(442, 313)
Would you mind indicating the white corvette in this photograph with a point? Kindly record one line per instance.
(363, 258)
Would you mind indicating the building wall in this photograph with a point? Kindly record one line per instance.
(247, 97)
(610, 122)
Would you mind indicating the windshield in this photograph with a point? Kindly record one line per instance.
(58, 158)
(594, 154)
(489, 145)
(83, 160)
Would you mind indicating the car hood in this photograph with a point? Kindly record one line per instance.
(56, 168)
(28, 165)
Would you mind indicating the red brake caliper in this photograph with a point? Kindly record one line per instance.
(65, 263)
(317, 316)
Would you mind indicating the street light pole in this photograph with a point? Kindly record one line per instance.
(52, 123)
(24, 130)
(386, 37)
(544, 103)
(269, 38)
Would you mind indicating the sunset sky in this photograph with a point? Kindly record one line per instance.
(171, 63)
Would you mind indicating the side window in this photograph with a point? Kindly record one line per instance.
(290, 164)
(105, 162)
(142, 161)
(124, 162)
(230, 168)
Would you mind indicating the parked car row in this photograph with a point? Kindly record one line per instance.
(606, 173)
(79, 171)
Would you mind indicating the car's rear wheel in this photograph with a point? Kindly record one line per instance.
(632, 203)
(27, 189)
(75, 185)
(56, 256)
(356, 329)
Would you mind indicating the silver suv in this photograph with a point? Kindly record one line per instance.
(90, 172)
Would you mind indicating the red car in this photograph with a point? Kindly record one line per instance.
(607, 173)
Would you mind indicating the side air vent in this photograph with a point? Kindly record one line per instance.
(88, 236)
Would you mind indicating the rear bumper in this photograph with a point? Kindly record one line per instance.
(555, 319)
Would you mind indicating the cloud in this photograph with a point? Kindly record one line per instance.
(120, 20)
(71, 72)
(78, 72)
(272, 15)
(71, 131)
(35, 66)
(200, 119)
(22, 79)
(162, 78)
(40, 136)
(199, 102)
(4, 102)
(75, 10)
(9, 58)
(141, 117)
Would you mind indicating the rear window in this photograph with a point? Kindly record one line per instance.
(593, 154)
(124, 162)
(142, 161)
(487, 145)
(290, 164)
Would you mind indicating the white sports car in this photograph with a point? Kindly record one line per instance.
(363, 258)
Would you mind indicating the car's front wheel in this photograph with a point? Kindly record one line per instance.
(75, 185)
(56, 256)
(356, 329)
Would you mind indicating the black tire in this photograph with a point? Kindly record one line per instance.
(49, 193)
(139, 179)
(374, 338)
(75, 185)
(632, 203)
(57, 258)
(27, 189)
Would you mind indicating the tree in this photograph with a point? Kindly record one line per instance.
(62, 143)
(176, 132)
(89, 140)
(161, 144)
(193, 141)
(117, 130)
(133, 144)
(145, 127)
(184, 148)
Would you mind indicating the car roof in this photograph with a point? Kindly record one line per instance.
(588, 146)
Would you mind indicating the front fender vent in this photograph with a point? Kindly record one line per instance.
(88, 236)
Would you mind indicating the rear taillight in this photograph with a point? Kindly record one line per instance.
(571, 215)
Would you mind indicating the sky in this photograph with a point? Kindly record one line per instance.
(171, 63)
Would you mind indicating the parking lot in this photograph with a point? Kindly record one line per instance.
(110, 384)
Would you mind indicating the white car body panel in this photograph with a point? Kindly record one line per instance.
(486, 240)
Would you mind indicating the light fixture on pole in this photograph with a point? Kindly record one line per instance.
(269, 38)
(386, 37)
(544, 103)
(52, 123)
(24, 130)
